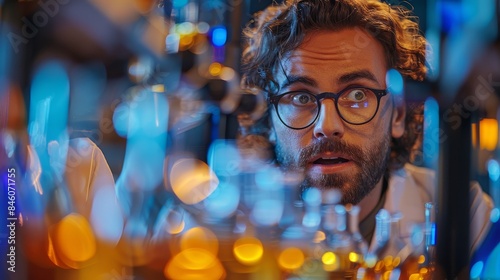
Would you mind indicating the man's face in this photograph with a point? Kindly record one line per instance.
(331, 152)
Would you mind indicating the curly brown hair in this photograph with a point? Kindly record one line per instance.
(281, 28)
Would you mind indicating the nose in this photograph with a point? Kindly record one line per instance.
(329, 123)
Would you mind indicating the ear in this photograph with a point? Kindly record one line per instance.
(398, 117)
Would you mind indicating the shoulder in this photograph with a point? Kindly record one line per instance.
(412, 182)
(409, 189)
(419, 176)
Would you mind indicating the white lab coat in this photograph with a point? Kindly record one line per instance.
(411, 187)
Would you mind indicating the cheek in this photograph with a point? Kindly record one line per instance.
(289, 139)
(286, 137)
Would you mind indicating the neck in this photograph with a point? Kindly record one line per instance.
(370, 201)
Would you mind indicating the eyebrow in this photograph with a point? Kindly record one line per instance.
(357, 75)
(344, 79)
(294, 79)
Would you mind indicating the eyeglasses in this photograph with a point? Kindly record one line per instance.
(300, 109)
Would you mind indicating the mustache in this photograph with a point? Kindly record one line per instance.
(329, 145)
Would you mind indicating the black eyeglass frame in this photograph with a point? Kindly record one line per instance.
(379, 93)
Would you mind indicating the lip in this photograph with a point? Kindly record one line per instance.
(328, 155)
(330, 168)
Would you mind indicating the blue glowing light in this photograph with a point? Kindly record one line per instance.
(49, 102)
(451, 15)
(48, 118)
(224, 157)
(224, 201)
(121, 119)
(479, 14)
(432, 56)
(267, 212)
(394, 80)
(293, 232)
(145, 120)
(495, 215)
(493, 170)
(312, 197)
(179, 3)
(433, 234)
(269, 178)
(219, 36)
(146, 115)
(311, 219)
(492, 267)
(476, 270)
(431, 133)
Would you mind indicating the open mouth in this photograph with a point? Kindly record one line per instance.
(330, 161)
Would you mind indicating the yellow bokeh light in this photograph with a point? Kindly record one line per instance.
(329, 258)
(421, 259)
(51, 253)
(248, 250)
(201, 238)
(388, 261)
(185, 42)
(291, 258)
(74, 239)
(379, 266)
(424, 270)
(414, 276)
(158, 88)
(192, 180)
(354, 257)
(396, 262)
(488, 134)
(194, 263)
(330, 261)
(215, 69)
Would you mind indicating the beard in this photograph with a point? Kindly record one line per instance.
(371, 165)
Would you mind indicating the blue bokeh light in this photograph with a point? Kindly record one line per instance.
(394, 82)
(476, 270)
(495, 215)
(179, 3)
(493, 170)
(267, 212)
(492, 265)
(219, 36)
(224, 157)
(224, 201)
(269, 179)
(431, 139)
(49, 103)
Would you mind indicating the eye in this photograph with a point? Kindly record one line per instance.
(302, 99)
(356, 95)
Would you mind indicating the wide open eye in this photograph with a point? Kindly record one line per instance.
(356, 95)
(302, 99)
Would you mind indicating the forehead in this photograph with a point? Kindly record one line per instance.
(334, 53)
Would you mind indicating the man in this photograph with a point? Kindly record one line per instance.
(325, 68)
